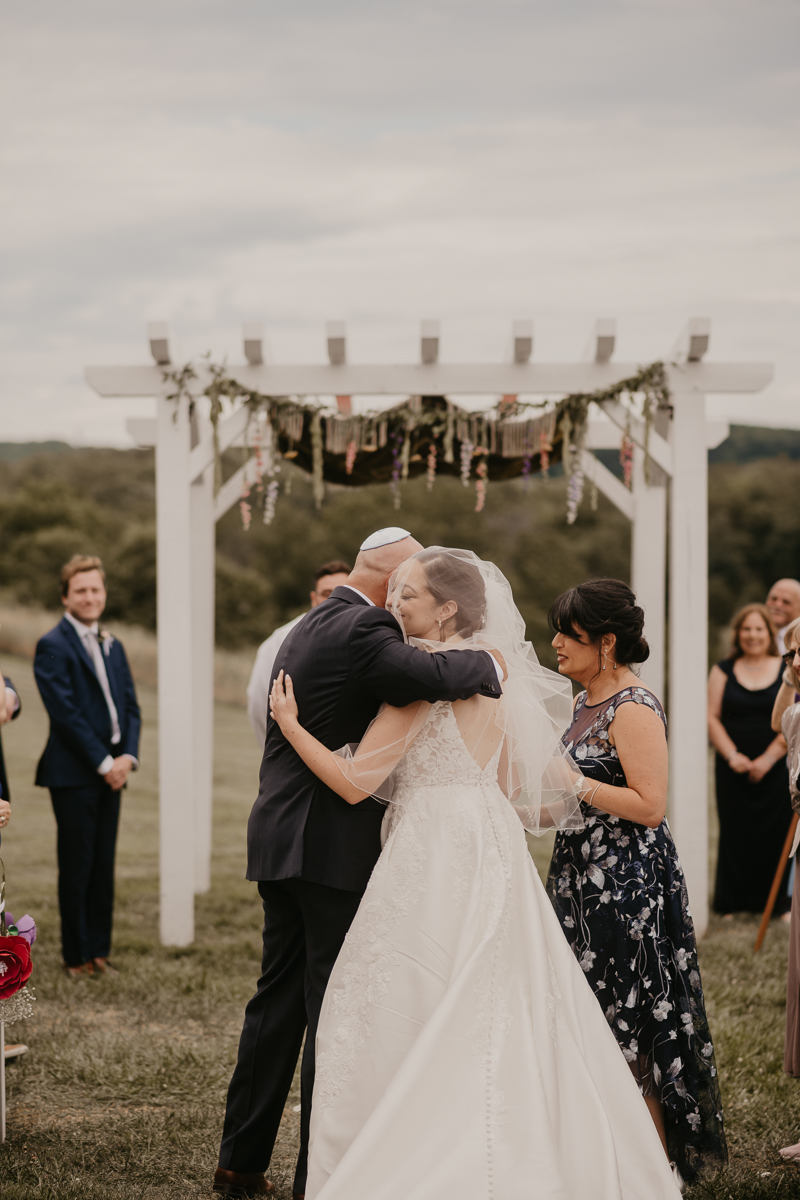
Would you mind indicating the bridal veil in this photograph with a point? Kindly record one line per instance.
(526, 724)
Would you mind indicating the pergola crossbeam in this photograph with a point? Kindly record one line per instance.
(611, 487)
(434, 379)
(658, 449)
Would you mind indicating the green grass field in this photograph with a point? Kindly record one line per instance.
(121, 1096)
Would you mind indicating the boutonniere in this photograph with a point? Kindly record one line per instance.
(106, 640)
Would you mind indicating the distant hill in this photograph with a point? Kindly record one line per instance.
(746, 443)
(57, 500)
(12, 451)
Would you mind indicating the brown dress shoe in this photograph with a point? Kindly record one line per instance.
(233, 1183)
(77, 972)
(104, 966)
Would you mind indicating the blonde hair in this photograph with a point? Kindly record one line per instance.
(77, 564)
(792, 633)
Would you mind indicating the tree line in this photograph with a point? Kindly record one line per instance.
(61, 501)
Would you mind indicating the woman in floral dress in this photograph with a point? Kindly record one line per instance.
(618, 887)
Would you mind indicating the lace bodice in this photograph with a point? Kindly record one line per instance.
(438, 756)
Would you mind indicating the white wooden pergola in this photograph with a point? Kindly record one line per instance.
(674, 499)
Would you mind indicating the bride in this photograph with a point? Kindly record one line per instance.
(461, 1054)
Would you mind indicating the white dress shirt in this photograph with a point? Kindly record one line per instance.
(258, 687)
(91, 642)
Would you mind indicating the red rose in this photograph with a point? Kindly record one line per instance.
(15, 965)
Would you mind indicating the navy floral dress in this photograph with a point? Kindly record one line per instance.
(619, 892)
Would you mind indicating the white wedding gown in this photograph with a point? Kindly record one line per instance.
(461, 1054)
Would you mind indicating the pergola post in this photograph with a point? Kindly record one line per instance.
(176, 709)
(688, 640)
(203, 547)
(649, 564)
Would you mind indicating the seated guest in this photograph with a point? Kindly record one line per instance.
(327, 577)
(86, 686)
(783, 605)
(9, 711)
(751, 778)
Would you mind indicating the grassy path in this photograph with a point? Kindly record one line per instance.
(122, 1094)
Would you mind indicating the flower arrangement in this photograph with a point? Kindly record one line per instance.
(16, 964)
(424, 434)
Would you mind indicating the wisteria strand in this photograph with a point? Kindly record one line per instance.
(259, 460)
(350, 457)
(544, 454)
(245, 508)
(574, 491)
(431, 466)
(270, 500)
(482, 472)
(396, 467)
(467, 450)
(626, 459)
(526, 467)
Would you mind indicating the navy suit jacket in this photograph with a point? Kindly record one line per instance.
(80, 723)
(345, 657)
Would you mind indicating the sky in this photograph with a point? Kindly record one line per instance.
(474, 161)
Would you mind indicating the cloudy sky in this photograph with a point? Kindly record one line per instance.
(469, 160)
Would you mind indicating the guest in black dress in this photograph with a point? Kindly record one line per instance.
(751, 776)
(618, 887)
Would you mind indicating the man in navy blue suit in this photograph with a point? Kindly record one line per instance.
(86, 686)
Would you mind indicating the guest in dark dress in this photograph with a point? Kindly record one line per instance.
(751, 776)
(618, 887)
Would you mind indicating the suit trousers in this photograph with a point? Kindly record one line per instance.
(304, 927)
(87, 820)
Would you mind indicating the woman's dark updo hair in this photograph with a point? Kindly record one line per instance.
(452, 578)
(599, 607)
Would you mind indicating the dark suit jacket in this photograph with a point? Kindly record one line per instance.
(80, 723)
(345, 658)
(5, 794)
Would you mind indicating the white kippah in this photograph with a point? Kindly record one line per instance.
(384, 537)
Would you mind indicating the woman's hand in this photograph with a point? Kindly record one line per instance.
(282, 704)
(5, 813)
(759, 768)
(740, 763)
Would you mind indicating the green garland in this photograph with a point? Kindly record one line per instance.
(425, 434)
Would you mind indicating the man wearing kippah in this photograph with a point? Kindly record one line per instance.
(310, 852)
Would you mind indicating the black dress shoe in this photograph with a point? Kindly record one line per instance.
(242, 1186)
